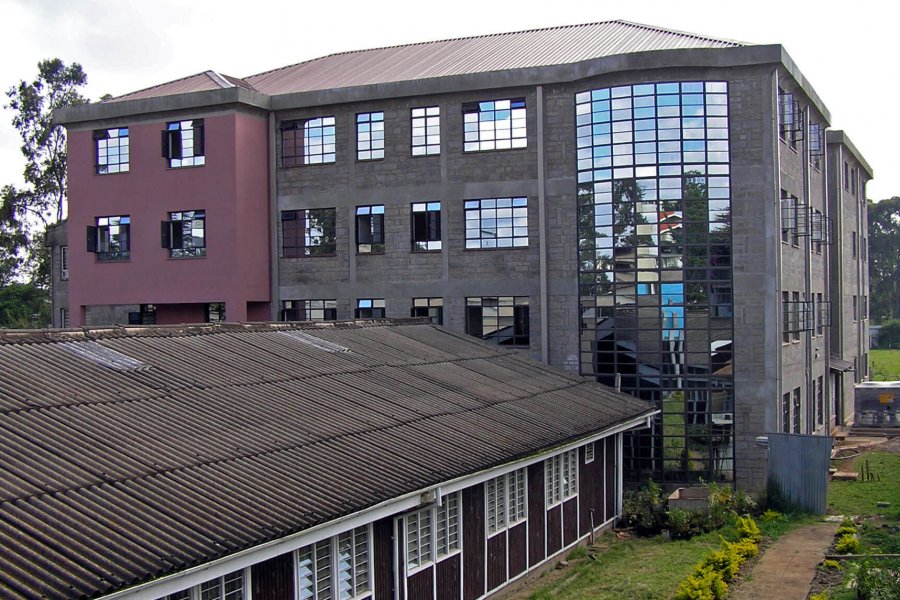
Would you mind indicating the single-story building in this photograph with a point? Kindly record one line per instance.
(348, 460)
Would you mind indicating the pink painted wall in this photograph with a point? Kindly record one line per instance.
(233, 189)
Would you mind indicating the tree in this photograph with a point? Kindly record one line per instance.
(23, 306)
(884, 259)
(25, 212)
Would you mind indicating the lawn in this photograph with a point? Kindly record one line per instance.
(638, 568)
(860, 497)
(885, 365)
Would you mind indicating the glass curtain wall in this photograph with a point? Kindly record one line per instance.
(655, 271)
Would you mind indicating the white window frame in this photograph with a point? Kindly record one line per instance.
(560, 477)
(425, 133)
(506, 501)
(589, 453)
(194, 593)
(64, 263)
(325, 554)
(452, 522)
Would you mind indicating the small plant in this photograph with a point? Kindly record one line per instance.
(703, 584)
(848, 522)
(878, 580)
(643, 509)
(829, 564)
(725, 561)
(772, 515)
(847, 544)
(842, 531)
(747, 528)
(823, 595)
(745, 548)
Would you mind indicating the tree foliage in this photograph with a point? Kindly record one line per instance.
(884, 259)
(24, 212)
(23, 306)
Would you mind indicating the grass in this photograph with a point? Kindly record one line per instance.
(860, 497)
(640, 568)
(885, 365)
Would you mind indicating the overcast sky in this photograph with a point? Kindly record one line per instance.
(847, 51)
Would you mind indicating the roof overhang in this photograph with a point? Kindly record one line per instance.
(839, 364)
(839, 136)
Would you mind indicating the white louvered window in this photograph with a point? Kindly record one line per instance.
(335, 568)
(232, 586)
(433, 532)
(561, 477)
(506, 504)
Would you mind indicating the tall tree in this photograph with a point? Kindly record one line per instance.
(25, 212)
(884, 259)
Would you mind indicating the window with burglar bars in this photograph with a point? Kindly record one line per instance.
(816, 145)
(790, 118)
(797, 316)
(794, 219)
(819, 230)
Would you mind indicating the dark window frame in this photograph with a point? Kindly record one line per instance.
(306, 142)
(369, 308)
(309, 232)
(112, 151)
(309, 310)
(507, 319)
(425, 224)
(183, 143)
(511, 136)
(110, 241)
(370, 229)
(431, 308)
(425, 131)
(370, 136)
(179, 234)
(486, 229)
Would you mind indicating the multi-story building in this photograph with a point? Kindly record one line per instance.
(642, 206)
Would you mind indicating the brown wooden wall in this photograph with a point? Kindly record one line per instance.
(383, 558)
(449, 578)
(554, 530)
(518, 545)
(274, 579)
(611, 480)
(536, 514)
(421, 585)
(473, 541)
(496, 560)
(570, 521)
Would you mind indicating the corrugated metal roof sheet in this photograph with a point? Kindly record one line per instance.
(460, 56)
(235, 435)
(207, 80)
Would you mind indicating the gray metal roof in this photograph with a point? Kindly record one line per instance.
(211, 439)
(461, 56)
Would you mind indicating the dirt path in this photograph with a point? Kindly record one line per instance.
(788, 566)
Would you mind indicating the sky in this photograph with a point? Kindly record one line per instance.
(846, 51)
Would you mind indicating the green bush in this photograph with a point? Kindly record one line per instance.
(745, 548)
(889, 334)
(830, 564)
(847, 544)
(644, 509)
(823, 595)
(725, 561)
(748, 529)
(845, 531)
(878, 580)
(772, 515)
(703, 584)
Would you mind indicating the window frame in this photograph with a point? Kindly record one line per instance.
(312, 142)
(196, 592)
(422, 120)
(370, 229)
(480, 125)
(450, 530)
(557, 488)
(183, 143)
(172, 236)
(311, 309)
(506, 501)
(302, 236)
(103, 145)
(483, 215)
(333, 563)
(100, 238)
(64, 263)
(425, 227)
(369, 145)
(428, 307)
(375, 305)
(521, 321)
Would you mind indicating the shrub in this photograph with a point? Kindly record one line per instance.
(703, 584)
(823, 595)
(725, 561)
(847, 522)
(847, 544)
(772, 515)
(643, 509)
(889, 334)
(878, 580)
(845, 531)
(829, 564)
(748, 529)
(745, 548)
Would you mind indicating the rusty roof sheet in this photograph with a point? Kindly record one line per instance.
(228, 436)
(443, 58)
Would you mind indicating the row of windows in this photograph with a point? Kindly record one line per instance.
(109, 239)
(433, 532)
(490, 125)
(503, 320)
(490, 223)
(800, 315)
(182, 146)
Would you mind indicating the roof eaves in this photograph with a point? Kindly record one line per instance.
(839, 136)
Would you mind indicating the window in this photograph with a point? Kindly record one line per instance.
(370, 136)
(853, 244)
(184, 234)
(432, 532)
(215, 312)
(369, 308)
(426, 131)
(228, 587)
(308, 232)
(307, 142)
(497, 223)
(786, 413)
(797, 316)
(853, 187)
(816, 145)
(823, 315)
(820, 400)
(819, 230)
(795, 409)
(433, 308)
(494, 125)
(589, 453)
(786, 317)
(855, 308)
(146, 315)
(506, 503)
(502, 320)
(309, 310)
(64, 262)
(112, 150)
(561, 477)
(426, 226)
(182, 144)
(846, 178)
(794, 219)
(790, 121)
(109, 239)
(337, 567)
(370, 229)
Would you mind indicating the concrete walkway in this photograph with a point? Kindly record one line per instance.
(787, 567)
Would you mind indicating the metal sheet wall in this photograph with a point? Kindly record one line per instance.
(798, 469)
